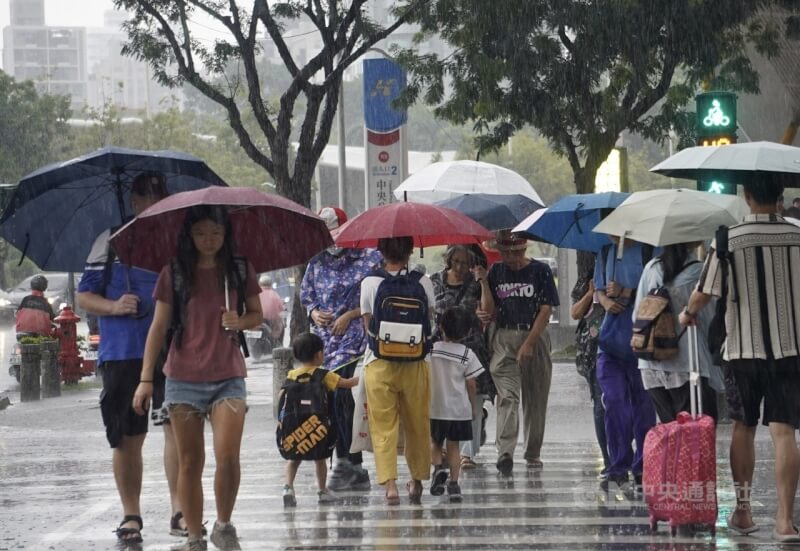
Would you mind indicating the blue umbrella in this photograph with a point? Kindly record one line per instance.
(493, 212)
(55, 213)
(569, 221)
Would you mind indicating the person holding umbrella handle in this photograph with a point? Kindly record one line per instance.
(112, 292)
(205, 369)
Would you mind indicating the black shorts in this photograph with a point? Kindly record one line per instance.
(776, 382)
(120, 379)
(453, 431)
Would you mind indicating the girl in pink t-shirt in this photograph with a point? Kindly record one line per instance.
(205, 369)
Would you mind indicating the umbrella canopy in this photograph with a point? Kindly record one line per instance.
(271, 231)
(445, 180)
(668, 216)
(493, 212)
(56, 212)
(734, 163)
(568, 222)
(429, 225)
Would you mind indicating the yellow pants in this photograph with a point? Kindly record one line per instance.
(398, 390)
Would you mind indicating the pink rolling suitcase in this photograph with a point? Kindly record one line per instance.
(680, 463)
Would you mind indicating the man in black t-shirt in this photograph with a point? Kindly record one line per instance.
(522, 294)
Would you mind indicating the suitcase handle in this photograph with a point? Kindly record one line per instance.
(695, 390)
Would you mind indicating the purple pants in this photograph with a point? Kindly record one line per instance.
(629, 413)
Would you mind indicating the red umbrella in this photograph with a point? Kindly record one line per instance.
(429, 225)
(271, 231)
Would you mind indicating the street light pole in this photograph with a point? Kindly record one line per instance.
(342, 173)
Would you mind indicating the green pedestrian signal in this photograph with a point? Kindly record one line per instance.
(716, 126)
(716, 186)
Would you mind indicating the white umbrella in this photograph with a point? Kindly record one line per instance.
(734, 163)
(668, 216)
(445, 180)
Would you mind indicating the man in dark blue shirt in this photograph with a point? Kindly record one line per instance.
(522, 294)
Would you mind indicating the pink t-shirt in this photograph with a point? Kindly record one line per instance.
(271, 304)
(208, 352)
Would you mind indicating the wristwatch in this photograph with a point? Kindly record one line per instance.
(688, 313)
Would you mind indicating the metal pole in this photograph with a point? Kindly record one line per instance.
(341, 140)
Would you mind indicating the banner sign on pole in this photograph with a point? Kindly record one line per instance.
(385, 147)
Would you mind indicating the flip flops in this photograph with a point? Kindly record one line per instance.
(740, 530)
(786, 538)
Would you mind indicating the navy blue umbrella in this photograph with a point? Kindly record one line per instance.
(55, 213)
(493, 212)
(569, 221)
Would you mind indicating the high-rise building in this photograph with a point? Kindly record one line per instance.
(53, 57)
(124, 81)
(27, 13)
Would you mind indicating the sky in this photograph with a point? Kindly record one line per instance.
(89, 13)
(82, 13)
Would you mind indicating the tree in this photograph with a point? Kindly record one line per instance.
(32, 131)
(32, 127)
(583, 72)
(160, 32)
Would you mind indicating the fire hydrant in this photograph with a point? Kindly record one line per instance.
(68, 358)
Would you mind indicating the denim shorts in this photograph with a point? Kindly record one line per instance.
(203, 396)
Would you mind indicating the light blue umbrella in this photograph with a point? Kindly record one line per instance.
(568, 222)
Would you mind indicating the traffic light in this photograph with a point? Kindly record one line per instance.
(716, 125)
(716, 186)
(716, 118)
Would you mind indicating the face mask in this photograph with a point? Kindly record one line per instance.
(335, 251)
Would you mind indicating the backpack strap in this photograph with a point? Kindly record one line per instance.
(319, 376)
(726, 263)
(240, 263)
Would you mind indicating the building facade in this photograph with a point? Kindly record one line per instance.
(53, 57)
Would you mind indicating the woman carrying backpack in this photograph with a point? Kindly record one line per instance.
(205, 369)
(667, 381)
(398, 390)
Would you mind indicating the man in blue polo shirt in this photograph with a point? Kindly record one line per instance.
(121, 297)
(522, 293)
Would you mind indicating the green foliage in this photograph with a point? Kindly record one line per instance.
(36, 339)
(31, 127)
(582, 73)
(207, 137)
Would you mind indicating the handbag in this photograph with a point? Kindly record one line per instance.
(615, 335)
(717, 333)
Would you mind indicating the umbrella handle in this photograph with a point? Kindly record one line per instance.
(25, 248)
(227, 298)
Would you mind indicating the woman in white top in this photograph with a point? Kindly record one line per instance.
(667, 382)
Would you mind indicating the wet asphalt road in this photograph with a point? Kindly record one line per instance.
(57, 491)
